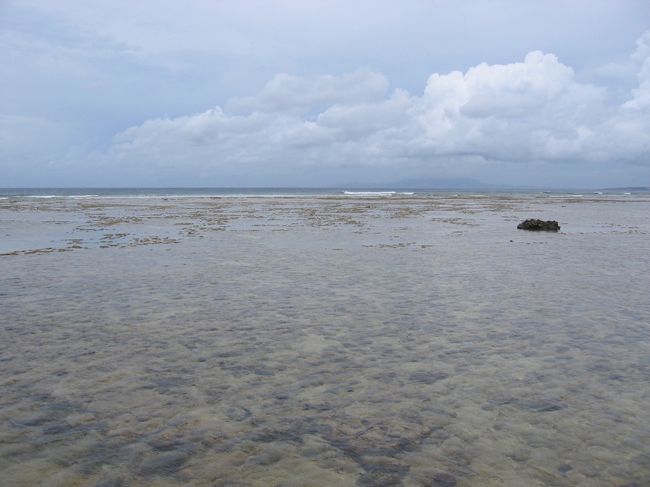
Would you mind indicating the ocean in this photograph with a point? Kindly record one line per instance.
(316, 337)
(292, 191)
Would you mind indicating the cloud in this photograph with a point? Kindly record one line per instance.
(533, 111)
(641, 96)
(528, 111)
(625, 135)
(286, 93)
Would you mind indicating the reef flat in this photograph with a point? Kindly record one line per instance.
(335, 340)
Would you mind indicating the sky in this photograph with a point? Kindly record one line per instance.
(324, 93)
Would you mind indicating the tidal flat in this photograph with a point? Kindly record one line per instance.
(325, 341)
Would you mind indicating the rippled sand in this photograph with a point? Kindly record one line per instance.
(324, 341)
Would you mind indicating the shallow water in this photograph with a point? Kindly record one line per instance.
(416, 341)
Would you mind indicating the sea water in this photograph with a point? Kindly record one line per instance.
(332, 339)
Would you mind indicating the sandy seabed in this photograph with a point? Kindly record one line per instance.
(415, 341)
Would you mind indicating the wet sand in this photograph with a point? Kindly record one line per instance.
(415, 341)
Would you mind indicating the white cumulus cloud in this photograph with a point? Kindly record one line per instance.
(532, 111)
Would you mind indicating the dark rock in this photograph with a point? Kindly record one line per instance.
(539, 225)
(564, 468)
